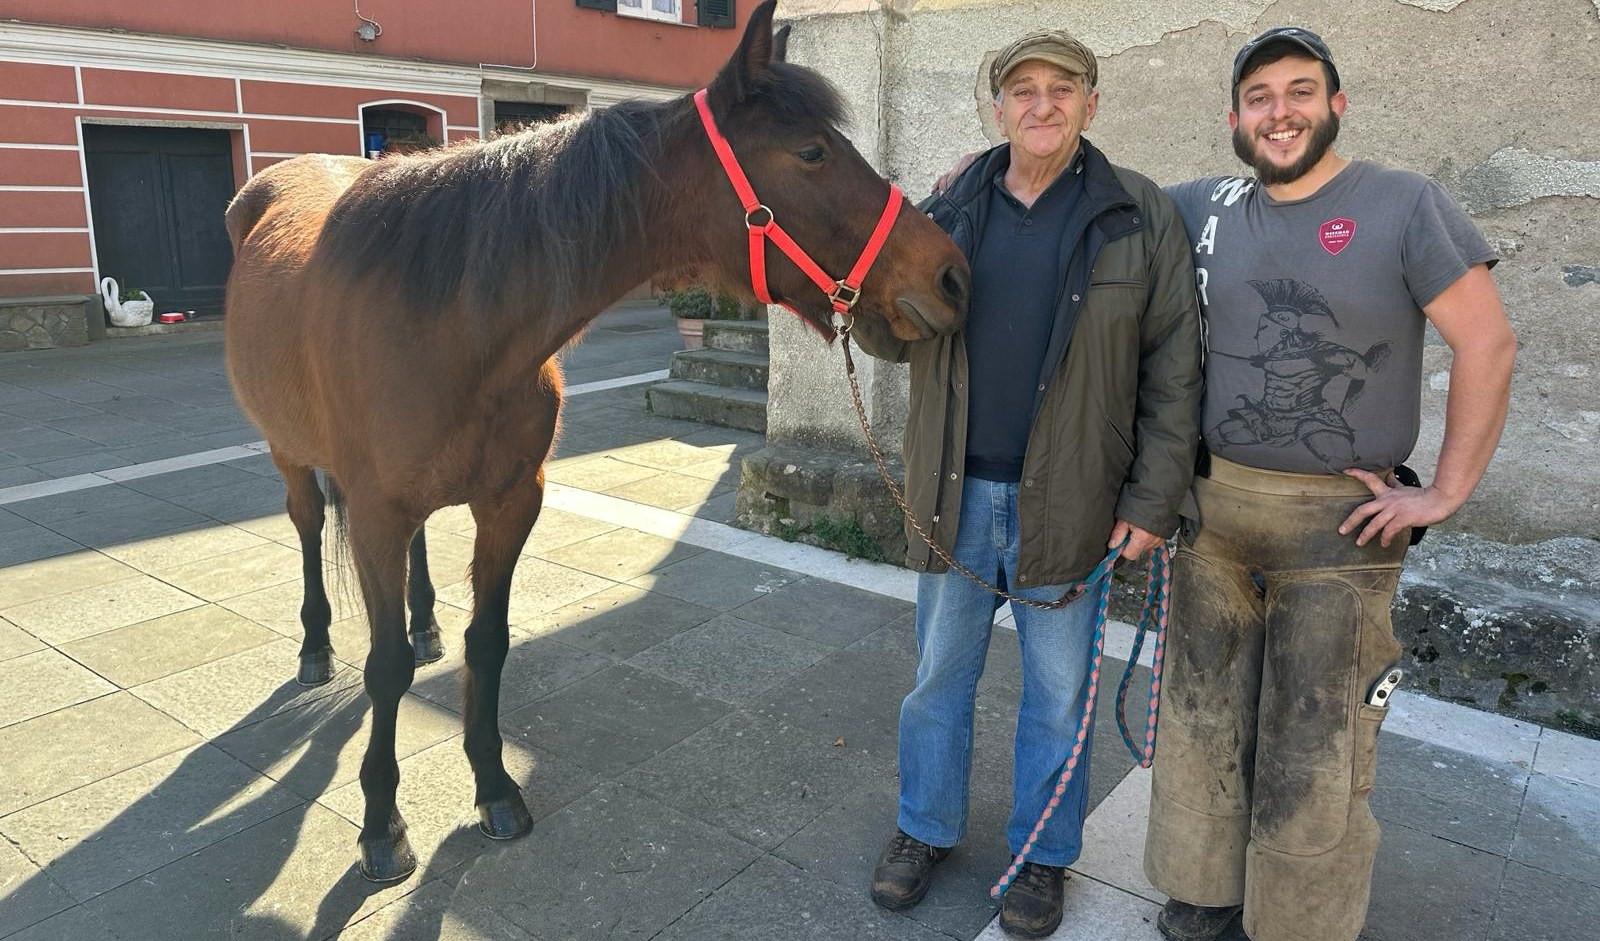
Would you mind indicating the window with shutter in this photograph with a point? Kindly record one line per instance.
(609, 6)
(718, 13)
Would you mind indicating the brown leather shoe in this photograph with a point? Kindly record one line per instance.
(1181, 921)
(1033, 902)
(904, 871)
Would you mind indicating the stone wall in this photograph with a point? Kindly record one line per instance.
(41, 323)
(1493, 98)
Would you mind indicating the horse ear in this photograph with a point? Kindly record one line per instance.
(751, 60)
(780, 44)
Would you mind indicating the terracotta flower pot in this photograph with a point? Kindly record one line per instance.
(693, 331)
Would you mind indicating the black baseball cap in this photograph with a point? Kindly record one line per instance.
(1305, 39)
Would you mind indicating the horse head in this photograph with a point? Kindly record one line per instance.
(782, 123)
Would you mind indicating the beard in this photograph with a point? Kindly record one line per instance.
(1323, 134)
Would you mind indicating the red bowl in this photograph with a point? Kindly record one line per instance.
(174, 317)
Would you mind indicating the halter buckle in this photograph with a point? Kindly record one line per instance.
(845, 295)
(748, 216)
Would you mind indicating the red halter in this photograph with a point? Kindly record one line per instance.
(843, 292)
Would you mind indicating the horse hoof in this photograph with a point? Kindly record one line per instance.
(316, 668)
(504, 819)
(387, 859)
(426, 645)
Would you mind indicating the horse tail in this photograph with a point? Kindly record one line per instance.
(339, 545)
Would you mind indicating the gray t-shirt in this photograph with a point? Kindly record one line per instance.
(1314, 313)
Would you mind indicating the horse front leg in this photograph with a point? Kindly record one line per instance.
(425, 641)
(379, 535)
(503, 527)
(307, 510)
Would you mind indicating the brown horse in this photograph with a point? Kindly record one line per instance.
(396, 325)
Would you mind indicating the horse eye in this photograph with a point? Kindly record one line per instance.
(811, 155)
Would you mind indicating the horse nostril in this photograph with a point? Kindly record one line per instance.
(956, 287)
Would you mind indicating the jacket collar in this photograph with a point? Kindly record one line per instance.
(1101, 189)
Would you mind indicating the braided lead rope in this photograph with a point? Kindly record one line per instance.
(1153, 617)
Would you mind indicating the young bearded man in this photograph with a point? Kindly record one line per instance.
(1317, 278)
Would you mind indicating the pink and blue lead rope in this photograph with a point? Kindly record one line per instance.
(1153, 618)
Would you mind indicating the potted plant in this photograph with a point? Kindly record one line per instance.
(126, 307)
(695, 304)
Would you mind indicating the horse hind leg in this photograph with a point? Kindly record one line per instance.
(503, 527)
(306, 506)
(379, 535)
(425, 641)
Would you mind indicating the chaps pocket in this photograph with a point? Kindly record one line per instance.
(1369, 719)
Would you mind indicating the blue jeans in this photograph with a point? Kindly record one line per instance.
(954, 618)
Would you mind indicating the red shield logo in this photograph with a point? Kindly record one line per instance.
(1335, 234)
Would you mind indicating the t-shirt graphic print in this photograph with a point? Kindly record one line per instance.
(1313, 308)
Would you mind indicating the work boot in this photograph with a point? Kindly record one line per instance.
(904, 871)
(1033, 902)
(1181, 921)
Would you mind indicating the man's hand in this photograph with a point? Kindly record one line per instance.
(1395, 508)
(943, 182)
(1139, 541)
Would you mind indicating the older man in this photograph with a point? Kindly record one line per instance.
(1061, 422)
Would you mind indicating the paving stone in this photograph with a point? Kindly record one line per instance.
(723, 509)
(622, 554)
(17, 474)
(190, 480)
(671, 491)
(88, 611)
(612, 864)
(619, 622)
(1096, 912)
(248, 499)
(437, 791)
(93, 502)
(291, 876)
(190, 545)
(99, 836)
(1538, 906)
(664, 454)
(278, 607)
(74, 923)
(1003, 663)
(32, 544)
(82, 464)
(724, 468)
(716, 580)
(1449, 794)
(774, 900)
(69, 748)
(318, 747)
(534, 668)
(730, 659)
(27, 894)
(261, 465)
(449, 559)
(42, 682)
(236, 573)
(615, 719)
(50, 410)
(1114, 835)
(110, 430)
(276, 527)
(1428, 889)
(132, 524)
(139, 653)
(14, 641)
(1568, 756)
(597, 474)
(27, 582)
(238, 691)
(431, 914)
(850, 695)
(537, 587)
(834, 614)
(59, 446)
(557, 528)
(758, 779)
(1560, 829)
(11, 522)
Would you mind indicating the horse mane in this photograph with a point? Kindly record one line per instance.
(530, 217)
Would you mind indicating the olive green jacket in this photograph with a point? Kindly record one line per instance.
(1115, 424)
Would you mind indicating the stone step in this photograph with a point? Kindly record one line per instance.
(746, 336)
(730, 368)
(716, 405)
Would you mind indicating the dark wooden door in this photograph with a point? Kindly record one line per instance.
(157, 195)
